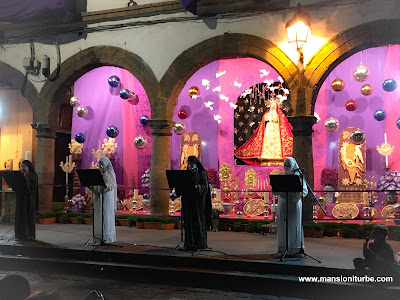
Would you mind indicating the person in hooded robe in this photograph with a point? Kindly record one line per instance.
(105, 204)
(294, 202)
(27, 203)
(196, 207)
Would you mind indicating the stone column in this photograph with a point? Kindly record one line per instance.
(303, 153)
(160, 161)
(46, 134)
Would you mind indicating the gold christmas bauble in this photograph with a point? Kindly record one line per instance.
(194, 92)
(367, 89)
(337, 85)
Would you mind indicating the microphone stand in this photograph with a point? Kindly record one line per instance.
(301, 251)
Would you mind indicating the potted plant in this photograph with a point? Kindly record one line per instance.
(215, 219)
(122, 220)
(236, 226)
(168, 223)
(47, 218)
(329, 229)
(329, 179)
(318, 231)
(72, 217)
(131, 221)
(79, 219)
(353, 230)
(252, 226)
(308, 229)
(87, 218)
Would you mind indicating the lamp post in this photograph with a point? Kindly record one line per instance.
(298, 30)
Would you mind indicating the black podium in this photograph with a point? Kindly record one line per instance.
(286, 184)
(90, 178)
(180, 180)
(15, 179)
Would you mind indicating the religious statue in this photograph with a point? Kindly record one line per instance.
(190, 146)
(271, 141)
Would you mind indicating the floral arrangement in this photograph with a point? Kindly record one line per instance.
(329, 176)
(212, 175)
(78, 202)
(120, 192)
(389, 182)
(146, 179)
(239, 205)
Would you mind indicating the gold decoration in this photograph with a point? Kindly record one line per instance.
(387, 212)
(367, 89)
(75, 147)
(345, 211)
(225, 175)
(250, 178)
(109, 146)
(254, 207)
(275, 172)
(385, 149)
(67, 167)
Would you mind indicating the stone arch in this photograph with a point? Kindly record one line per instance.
(13, 79)
(89, 59)
(342, 46)
(229, 45)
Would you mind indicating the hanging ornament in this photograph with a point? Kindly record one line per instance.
(113, 81)
(398, 123)
(179, 128)
(337, 85)
(358, 136)
(140, 142)
(146, 196)
(112, 131)
(144, 119)
(126, 94)
(80, 138)
(389, 85)
(182, 114)
(331, 124)
(371, 203)
(74, 101)
(173, 196)
(351, 105)
(81, 111)
(367, 89)
(194, 92)
(380, 115)
(361, 73)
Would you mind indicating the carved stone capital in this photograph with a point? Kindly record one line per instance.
(45, 131)
(302, 125)
(161, 127)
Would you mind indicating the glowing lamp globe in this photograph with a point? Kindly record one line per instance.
(298, 28)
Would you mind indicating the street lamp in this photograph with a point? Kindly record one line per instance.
(298, 30)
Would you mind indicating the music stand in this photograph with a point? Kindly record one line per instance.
(181, 180)
(90, 178)
(17, 181)
(286, 183)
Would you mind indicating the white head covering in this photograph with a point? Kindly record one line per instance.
(111, 178)
(293, 164)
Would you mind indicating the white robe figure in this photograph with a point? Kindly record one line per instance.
(295, 228)
(109, 204)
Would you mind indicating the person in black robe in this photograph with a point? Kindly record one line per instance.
(27, 203)
(196, 207)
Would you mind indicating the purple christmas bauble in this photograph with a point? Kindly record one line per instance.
(113, 81)
(389, 85)
(146, 196)
(380, 115)
(125, 94)
(112, 131)
(144, 119)
(80, 138)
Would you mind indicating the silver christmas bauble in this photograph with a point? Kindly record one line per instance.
(331, 124)
(81, 111)
(358, 136)
(361, 73)
(74, 101)
(179, 128)
(140, 142)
